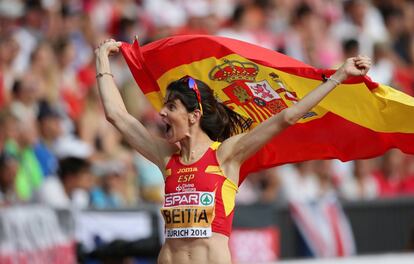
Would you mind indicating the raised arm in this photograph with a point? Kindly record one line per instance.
(239, 148)
(153, 148)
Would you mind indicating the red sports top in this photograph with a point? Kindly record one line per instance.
(190, 189)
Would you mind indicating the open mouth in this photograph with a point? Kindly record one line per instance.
(167, 128)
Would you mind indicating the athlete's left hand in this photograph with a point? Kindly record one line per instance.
(357, 66)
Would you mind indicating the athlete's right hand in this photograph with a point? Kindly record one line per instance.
(108, 47)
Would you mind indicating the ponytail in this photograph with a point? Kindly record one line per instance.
(224, 123)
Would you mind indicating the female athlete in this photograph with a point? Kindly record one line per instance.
(201, 155)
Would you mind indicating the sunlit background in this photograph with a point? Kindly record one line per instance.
(72, 191)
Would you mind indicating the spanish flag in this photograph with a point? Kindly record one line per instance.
(358, 119)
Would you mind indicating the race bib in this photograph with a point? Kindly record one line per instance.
(188, 214)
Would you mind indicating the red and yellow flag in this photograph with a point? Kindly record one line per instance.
(359, 119)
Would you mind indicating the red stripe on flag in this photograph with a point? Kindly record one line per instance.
(176, 51)
(143, 76)
(257, 111)
(330, 136)
(252, 113)
(263, 111)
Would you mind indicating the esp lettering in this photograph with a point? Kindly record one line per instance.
(186, 178)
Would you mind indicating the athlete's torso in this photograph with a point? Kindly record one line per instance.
(199, 199)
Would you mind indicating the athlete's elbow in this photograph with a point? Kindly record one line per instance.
(110, 118)
(113, 116)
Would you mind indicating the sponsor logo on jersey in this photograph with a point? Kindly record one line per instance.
(186, 170)
(189, 198)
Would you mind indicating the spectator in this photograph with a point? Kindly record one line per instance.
(390, 173)
(327, 177)
(69, 87)
(108, 194)
(65, 191)
(407, 184)
(299, 174)
(8, 171)
(249, 24)
(150, 180)
(307, 41)
(24, 104)
(362, 184)
(383, 68)
(50, 129)
(249, 191)
(398, 18)
(21, 136)
(43, 65)
(260, 187)
(350, 48)
(270, 186)
(8, 51)
(93, 127)
(362, 21)
(28, 34)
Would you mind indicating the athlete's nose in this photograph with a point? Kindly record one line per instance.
(162, 112)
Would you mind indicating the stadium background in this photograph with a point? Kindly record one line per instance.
(50, 111)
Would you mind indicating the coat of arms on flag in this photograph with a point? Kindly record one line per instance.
(260, 99)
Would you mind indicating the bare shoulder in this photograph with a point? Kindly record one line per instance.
(167, 150)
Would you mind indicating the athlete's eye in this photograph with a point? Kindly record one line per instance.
(171, 106)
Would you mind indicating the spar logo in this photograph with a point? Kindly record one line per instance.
(206, 199)
(189, 198)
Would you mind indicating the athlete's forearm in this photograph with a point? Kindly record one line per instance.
(242, 147)
(111, 98)
(297, 111)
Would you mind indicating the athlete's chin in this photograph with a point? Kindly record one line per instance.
(171, 139)
(174, 138)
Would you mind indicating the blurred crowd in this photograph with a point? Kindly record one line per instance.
(57, 147)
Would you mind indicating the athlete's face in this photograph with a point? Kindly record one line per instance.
(176, 119)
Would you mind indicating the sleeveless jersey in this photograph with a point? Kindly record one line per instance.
(199, 199)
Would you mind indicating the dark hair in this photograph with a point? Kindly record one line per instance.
(46, 110)
(302, 11)
(72, 165)
(241, 9)
(218, 121)
(6, 157)
(350, 45)
(17, 87)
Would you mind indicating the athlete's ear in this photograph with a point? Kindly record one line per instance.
(197, 113)
(195, 116)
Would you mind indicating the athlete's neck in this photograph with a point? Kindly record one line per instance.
(193, 146)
